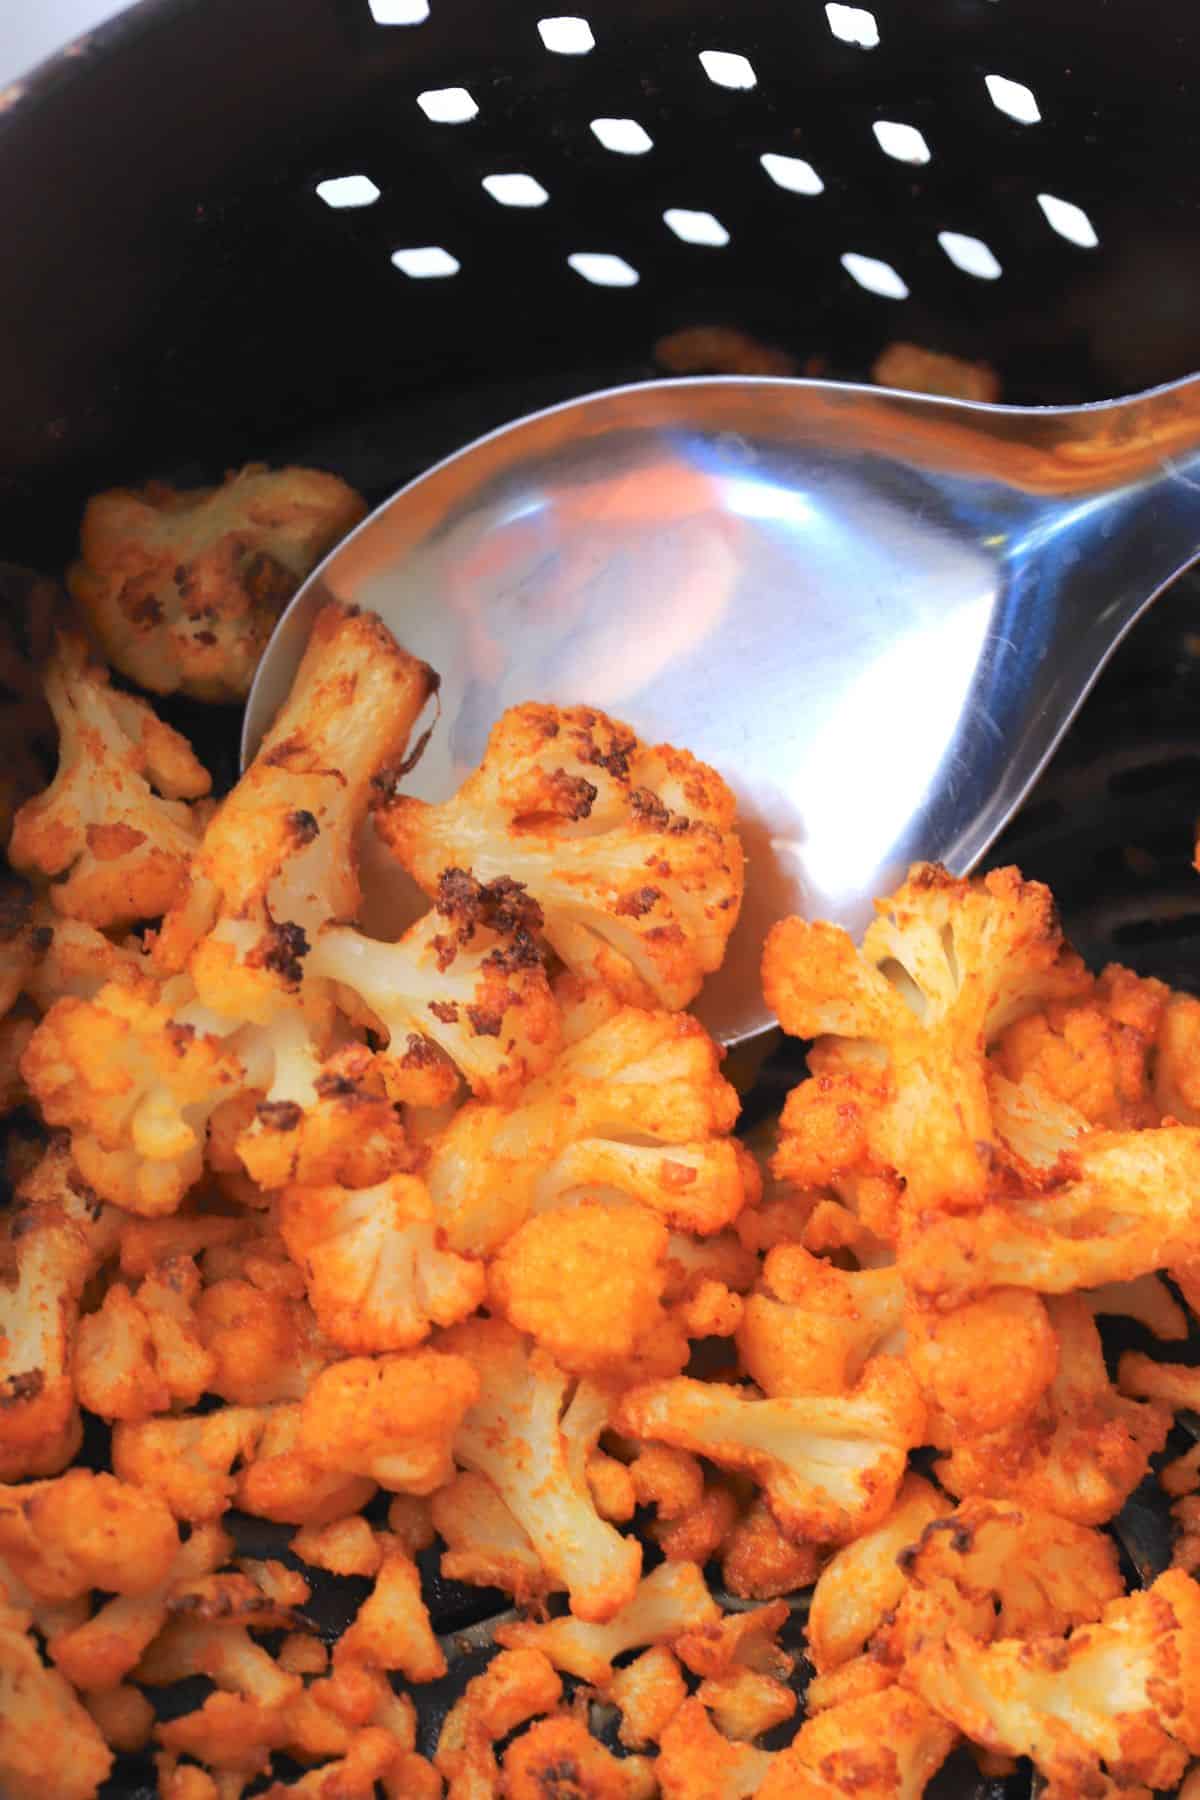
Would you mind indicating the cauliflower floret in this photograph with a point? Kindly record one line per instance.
(467, 978)
(637, 1106)
(830, 1467)
(325, 1119)
(263, 1345)
(745, 1704)
(609, 1258)
(223, 1652)
(1115, 1206)
(113, 832)
(885, 1746)
(669, 1601)
(813, 1327)
(48, 1743)
(649, 1692)
(57, 1235)
(759, 1563)
(630, 852)
(1085, 1448)
(140, 1354)
(74, 958)
(863, 1581)
(696, 1762)
(698, 1535)
(391, 1418)
(943, 968)
(1094, 1053)
(1177, 1059)
(953, 1356)
(391, 1629)
(535, 1455)
(1173, 1385)
(343, 1546)
(515, 1687)
(485, 1545)
(557, 1752)
(124, 1716)
(101, 1651)
(1119, 1695)
(377, 1276)
(183, 587)
(285, 1484)
(83, 1531)
(279, 860)
(188, 1461)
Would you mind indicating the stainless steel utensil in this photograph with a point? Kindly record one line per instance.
(876, 613)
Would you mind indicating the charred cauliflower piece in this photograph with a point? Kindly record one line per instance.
(466, 979)
(58, 1234)
(885, 1746)
(48, 1743)
(183, 588)
(113, 833)
(943, 968)
(864, 1580)
(630, 852)
(535, 1453)
(813, 1327)
(637, 1106)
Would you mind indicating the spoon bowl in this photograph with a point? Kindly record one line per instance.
(875, 613)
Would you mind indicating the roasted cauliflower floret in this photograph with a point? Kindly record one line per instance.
(515, 1687)
(609, 1258)
(376, 1274)
(189, 1461)
(864, 1580)
(696, 1762)
(83, 1531)
(638, 1106)
(885, 1746)
(518, 1435)
(485, 1545)
(183, 587)
(649, 1692)
(943, 968)
(466, 979)
(55, 1239)
(954, 1357)
(282, 1482)
(829, 1467)
(813, 1327)
(391, 1629)
(673, 1599)
(1116, 1697)
(558, 1751)
(113, 833)
(759, 1563)
(140, 1354)
(1085, 1447)
(390, 1418)
(48, 1742)
(1095, 1053)
(630, 852)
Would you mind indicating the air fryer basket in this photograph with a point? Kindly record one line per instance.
(179, 299)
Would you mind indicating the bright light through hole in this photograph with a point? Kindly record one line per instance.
(853, 25)
(603, 270)
(876, 276)
(426, 262)
(792, 173)
(1070, 221)
(399, 12)
(623, 135)
(904, 142)
(970, 254)
(447, 106)
(567, 36)
(727, 69)
(516, 190)
(696, 227)
(1013, 98)
(348, 190)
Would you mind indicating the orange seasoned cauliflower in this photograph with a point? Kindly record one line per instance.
(813, 1327)
(377, 1276)
(953, 1356)
(189, 1461)
(1119, 1696)
(264, 1345)
(759, 1563)
(671, 1600)
(863, 1581)
(113, 833)
(696, 1762)
(140, 1354)
(922, 371)
(944, 967)
(55, 1239)
(281, 1482)
(485, 1545)
(649, 1692)
(391, 1629)
(829, 1467)
(515, 1687)
(558, 1751)
(637, 1106)
(609, 1258)
(467, 979)
(630, 852)
(1096, 1053)
(1085, 1447)
(884, 1746)
(390, 1418)
(535, 1454)
(82, 1531)
(48, 1743)
(183, 587)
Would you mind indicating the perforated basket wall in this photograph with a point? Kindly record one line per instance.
(362, 231)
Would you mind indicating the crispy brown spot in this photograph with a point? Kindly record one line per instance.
(502, 905)
(649, 808)
(616, 758)
(280, 1115)
(303, 826)
(522, 953)
(637, 904)
(571, 795)
(445, 1010)
(207, 638)
(265, 581)
(331, 1086)
(281, 950)
(18, 1389)
(16, 899)
(486, 1020)
(41, 938)
(146, 611)
(421, 1054)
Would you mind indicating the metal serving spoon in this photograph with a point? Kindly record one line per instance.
(875, 613)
